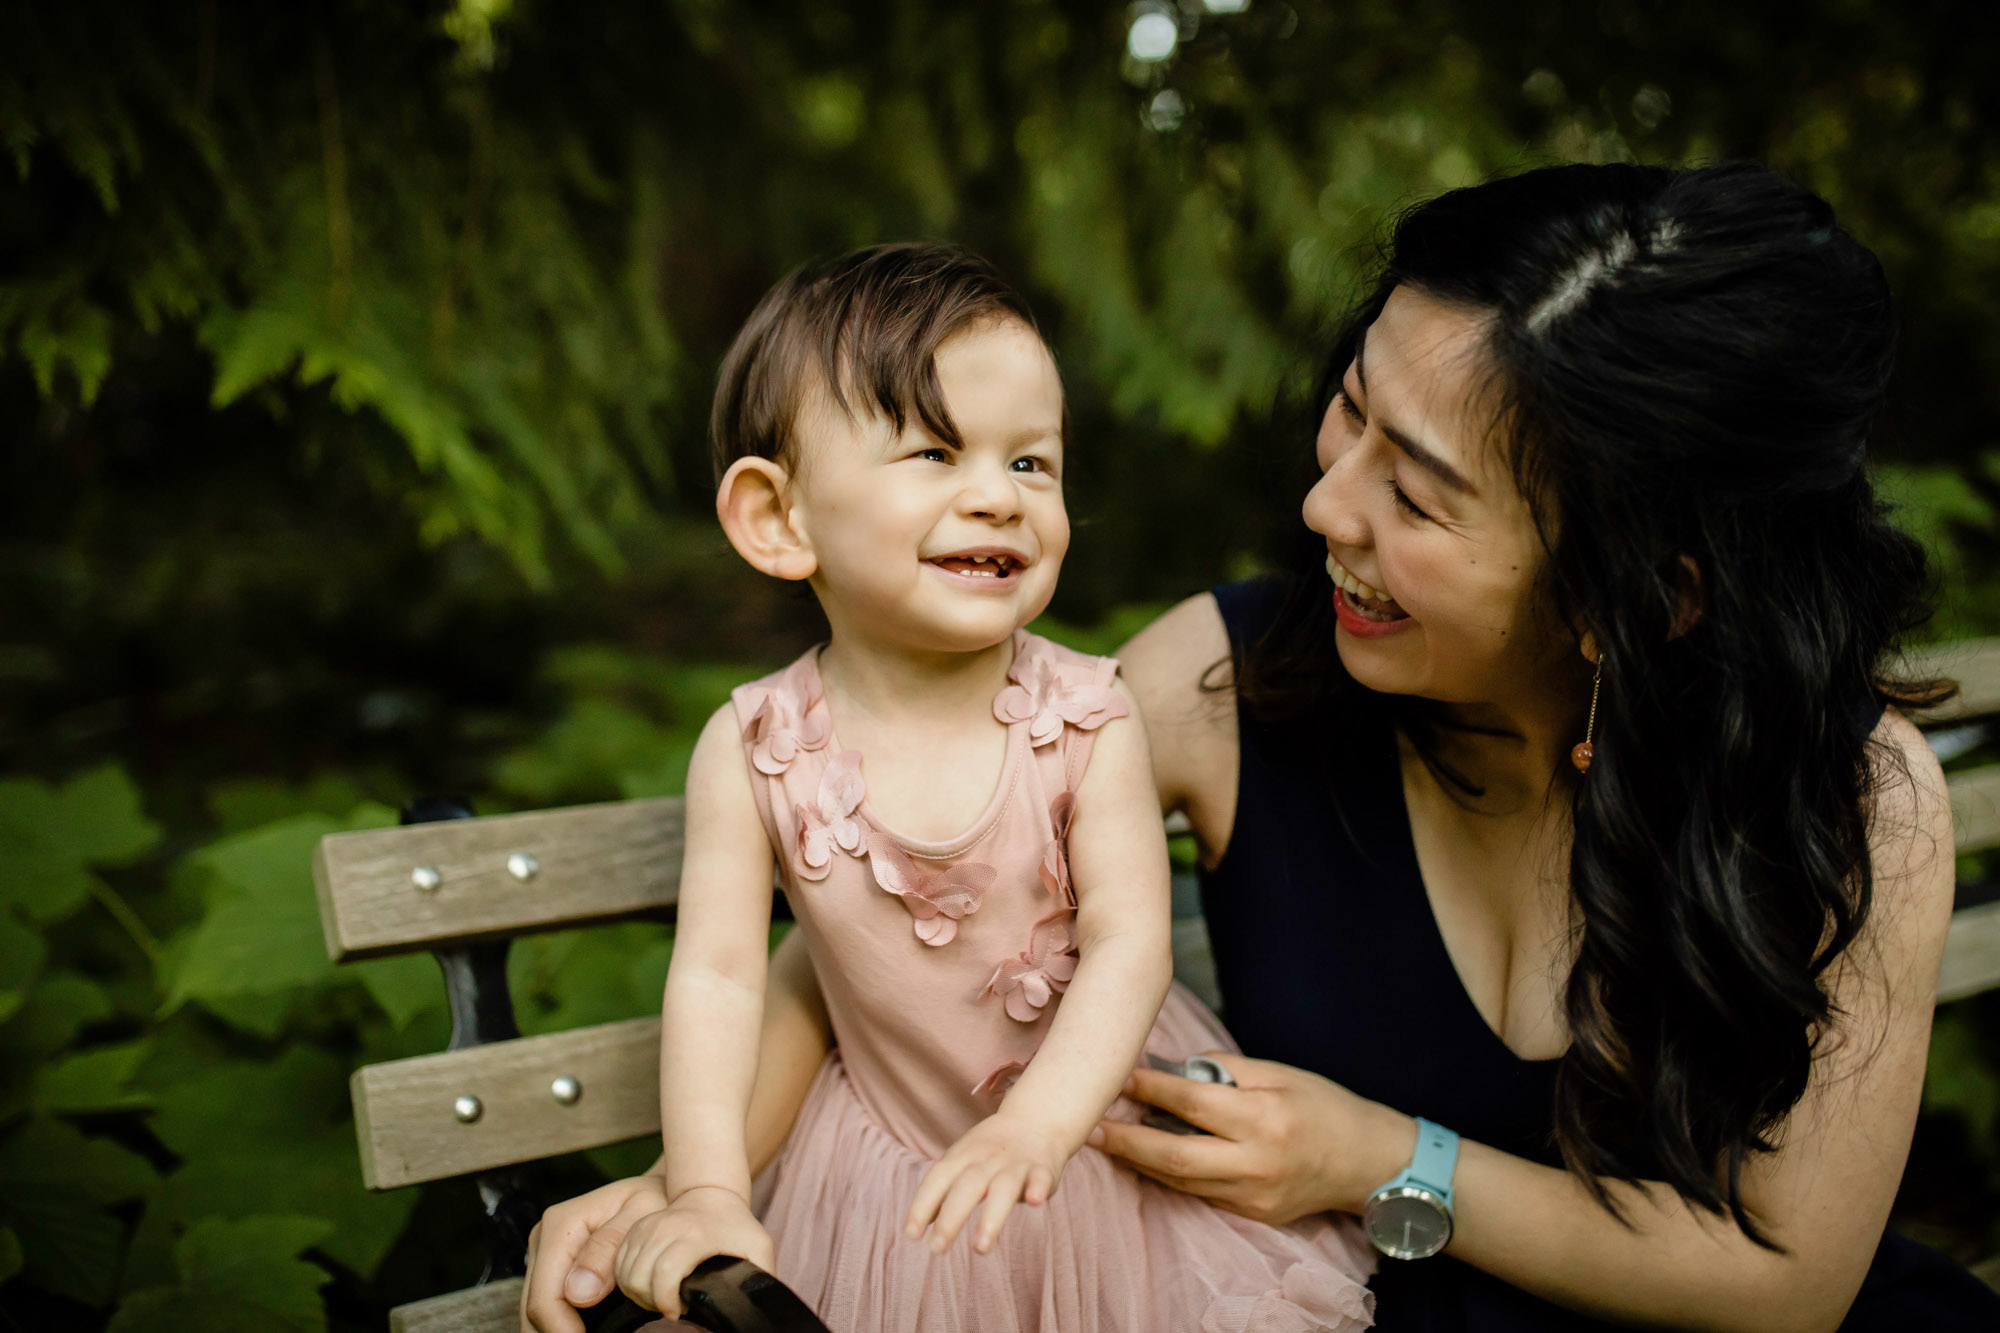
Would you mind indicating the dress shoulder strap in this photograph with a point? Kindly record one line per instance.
(784, 720)
(1063, 697)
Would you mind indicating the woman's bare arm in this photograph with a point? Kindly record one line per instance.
(1192, 730)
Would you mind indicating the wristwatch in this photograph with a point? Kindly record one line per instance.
(1410, 1217)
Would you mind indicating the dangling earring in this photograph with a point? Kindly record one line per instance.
(1580, 756)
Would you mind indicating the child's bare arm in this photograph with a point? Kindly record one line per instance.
(709, 1033)
(1118, 863)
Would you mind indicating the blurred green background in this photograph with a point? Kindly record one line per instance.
(354, 364)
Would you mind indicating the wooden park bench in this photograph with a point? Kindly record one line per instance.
(494, 1102)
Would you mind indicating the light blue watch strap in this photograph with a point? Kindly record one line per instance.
(1433, 1162)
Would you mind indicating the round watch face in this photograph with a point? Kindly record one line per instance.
(1407, 1223)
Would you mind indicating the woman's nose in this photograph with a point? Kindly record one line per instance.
(1333, 508)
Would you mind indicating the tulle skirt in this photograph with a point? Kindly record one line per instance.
(1111, 1252)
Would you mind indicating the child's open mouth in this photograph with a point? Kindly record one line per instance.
(999, 566)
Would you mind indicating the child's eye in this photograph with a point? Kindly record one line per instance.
(1028, 464)
(934, 455)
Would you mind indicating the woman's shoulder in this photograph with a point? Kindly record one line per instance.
(1180, 674)
(1180, 657)
(1910, 835)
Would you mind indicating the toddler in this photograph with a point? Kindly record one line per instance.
(962, 815)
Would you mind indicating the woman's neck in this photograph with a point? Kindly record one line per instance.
(1512, 750)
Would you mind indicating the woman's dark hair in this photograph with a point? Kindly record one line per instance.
(865, 325)
(1689, 363)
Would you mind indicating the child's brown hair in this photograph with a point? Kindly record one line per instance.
(866, 325)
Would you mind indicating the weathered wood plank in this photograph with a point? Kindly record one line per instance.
(592, 863)
(408, 1131)
(1974, 664)
(493, 1308)
(1971, 953)
(1975, 808)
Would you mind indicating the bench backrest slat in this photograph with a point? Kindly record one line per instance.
(592, 863)
(1975, 808)
(410, 1133)
(1974, 664)
(1971, 953)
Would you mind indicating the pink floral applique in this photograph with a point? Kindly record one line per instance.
(1055, 857)
(936, 899)
(1001, 1081)
(1040, 698)
(780, 730)
(1029, 981)
(829, 820)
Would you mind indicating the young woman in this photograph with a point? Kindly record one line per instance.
(1562, 797)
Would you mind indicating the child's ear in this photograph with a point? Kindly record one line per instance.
(757, 518)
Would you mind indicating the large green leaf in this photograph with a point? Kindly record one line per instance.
(406, 986)
(55, 1185)
(269, 1137)
(51, 836)
(261, 935)
(55, 1007)
(94, 1080)
(241, 1276)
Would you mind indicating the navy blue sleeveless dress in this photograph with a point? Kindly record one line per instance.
(1329, 959)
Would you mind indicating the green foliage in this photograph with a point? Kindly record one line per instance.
(236, 1277)
(55, 1187)
(227, 1048)
(1960, 1079)
(260, 935)
(52, 837)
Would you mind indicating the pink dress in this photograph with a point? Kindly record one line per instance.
(942, 964)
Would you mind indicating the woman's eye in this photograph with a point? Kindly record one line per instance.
(1348, 409)
(1403, 500)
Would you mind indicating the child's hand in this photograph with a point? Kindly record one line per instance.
(1002, 1159)
(664, 1247)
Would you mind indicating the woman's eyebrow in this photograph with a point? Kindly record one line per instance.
(1427, 459)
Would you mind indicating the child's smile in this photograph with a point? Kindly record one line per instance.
(991, 565)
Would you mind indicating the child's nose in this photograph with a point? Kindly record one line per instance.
(989, 493)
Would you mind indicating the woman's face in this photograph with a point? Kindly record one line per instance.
(1432, 551)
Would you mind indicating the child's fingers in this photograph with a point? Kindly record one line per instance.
(959, 1201)
(663, 1283)
(1041, 1185)
(1001, 1195)
(930, 1193)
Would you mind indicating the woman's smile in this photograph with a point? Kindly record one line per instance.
(1360, 607)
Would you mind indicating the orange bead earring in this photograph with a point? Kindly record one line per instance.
(1580, 756)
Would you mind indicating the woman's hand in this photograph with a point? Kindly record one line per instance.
(1002, 1159)
(573, 1251)
(663, 1247)
(1281, 1144)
